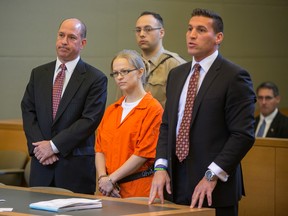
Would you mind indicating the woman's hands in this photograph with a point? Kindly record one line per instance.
(107, 187)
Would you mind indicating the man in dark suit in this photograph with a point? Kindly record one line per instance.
(61, 140)
(273, 122)
(221, 130)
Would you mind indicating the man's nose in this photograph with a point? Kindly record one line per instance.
(64, 40)
(192, 33)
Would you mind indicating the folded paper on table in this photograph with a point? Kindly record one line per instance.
(6, 209)
(69, 204)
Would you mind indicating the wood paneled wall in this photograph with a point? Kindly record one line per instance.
(265, 173)
(12, 136)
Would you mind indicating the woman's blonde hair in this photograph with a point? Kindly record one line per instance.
(134, 58)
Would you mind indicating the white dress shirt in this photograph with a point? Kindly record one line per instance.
(205, 66)
(70, 66)
(268, 119)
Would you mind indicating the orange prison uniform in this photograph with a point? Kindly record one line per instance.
(137, 134)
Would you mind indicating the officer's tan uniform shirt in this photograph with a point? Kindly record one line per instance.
(159, 67)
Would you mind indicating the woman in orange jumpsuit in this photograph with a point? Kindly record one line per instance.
(128, 133)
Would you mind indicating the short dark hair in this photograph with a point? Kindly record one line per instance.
(155, 15)
(218, 25)
(269, 85)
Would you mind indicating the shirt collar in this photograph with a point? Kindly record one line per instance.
(269, 118)
(70, 66)
(155, 58)
(143, 103)
(206, 62)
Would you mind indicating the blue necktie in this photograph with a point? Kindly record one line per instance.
(261, 129)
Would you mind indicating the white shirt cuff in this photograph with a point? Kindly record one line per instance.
(222, 175)
(161, 161)
(54, 148)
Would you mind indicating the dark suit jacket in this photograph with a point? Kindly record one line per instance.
(278, 127)
(79, 113)
(222, 128)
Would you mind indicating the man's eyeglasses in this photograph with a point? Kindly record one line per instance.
(146, 29)
(267, 98)
(122, 72)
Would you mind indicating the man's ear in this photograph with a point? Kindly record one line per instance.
(278, 98)
(219, 38)
(83, 42)
(162, 33)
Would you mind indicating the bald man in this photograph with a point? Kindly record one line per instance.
(62, 106)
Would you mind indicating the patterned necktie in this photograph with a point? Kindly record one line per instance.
(182, 141)
(261, 129)
(57, 89)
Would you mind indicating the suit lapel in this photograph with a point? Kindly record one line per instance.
(72, 87)
(210, 76)
(273, 127)
(179, 78)
(47, 88)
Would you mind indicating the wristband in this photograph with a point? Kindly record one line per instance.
(159, 169)
(161, 166)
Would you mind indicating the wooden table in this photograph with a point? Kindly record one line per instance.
(19, 199)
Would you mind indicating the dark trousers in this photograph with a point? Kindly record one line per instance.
(182, 191)
(227, 211)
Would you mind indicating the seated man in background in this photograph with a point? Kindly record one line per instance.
(270, 122)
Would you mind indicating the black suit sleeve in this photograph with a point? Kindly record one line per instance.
(29, 115)
(239, 117)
